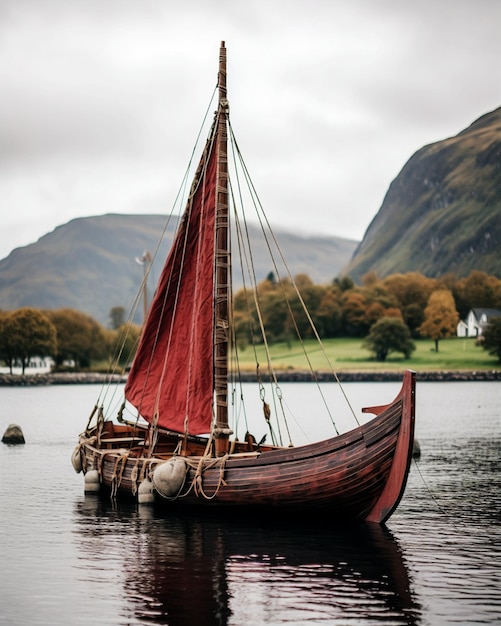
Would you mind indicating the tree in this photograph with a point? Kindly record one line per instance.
(413, 315)
(412, 291)
(123, 342)
(298, 321)
(26, 333)
(387, 335)
(440, 316)
(6, 348)
(345, 283)
(492, 338)
(328, 314)
(478, 290)
(80, 338)
(245, 320)
(374, 312)
(302, 281)
(354, 319)
(117, 317)
(274, 315)
(370, 279)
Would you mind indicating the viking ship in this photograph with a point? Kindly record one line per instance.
(180, 437)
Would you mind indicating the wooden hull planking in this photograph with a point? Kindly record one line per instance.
(357, 475)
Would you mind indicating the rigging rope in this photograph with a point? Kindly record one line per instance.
(430, 493)
(247, 255)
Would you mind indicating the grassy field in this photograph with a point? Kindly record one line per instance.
(349, 355)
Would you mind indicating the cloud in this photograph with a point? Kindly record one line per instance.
(101, 101)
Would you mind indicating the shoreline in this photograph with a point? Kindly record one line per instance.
(88, 378)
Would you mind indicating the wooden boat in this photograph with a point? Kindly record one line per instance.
(181, 448)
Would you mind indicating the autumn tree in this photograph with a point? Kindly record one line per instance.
(344, 309)
(302, 308)
(412, 291)
(413, 314)
(5, 349)
(302, 281)
(387, 335)
(244, 317)
(274, 316)
(24, 334)
(328, 314)
(440, 316)
(478, 290)
(370, 279)
(123, 343)
(353, 308)
(80, 338)
(492, 338)
(241, 300)
(361, 307)
(242, 329)
(373, 313)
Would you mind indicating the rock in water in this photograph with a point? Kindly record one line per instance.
(13, 435)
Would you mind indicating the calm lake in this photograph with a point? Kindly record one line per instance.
(67, 559)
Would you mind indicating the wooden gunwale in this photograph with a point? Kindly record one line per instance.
(287, 480)
(366, 436)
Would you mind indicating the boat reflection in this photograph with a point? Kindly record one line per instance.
(194, 570)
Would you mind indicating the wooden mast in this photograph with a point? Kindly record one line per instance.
(222, 267)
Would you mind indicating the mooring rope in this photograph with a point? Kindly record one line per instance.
(430, 493)
(203, 465)
(116, 479)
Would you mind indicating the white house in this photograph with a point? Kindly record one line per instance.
(476, 321)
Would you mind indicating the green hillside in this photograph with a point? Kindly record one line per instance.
(441, 214)
(89, 263)
(443, 211)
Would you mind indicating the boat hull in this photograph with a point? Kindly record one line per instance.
(357, 475)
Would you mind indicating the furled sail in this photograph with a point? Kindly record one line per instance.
(171, 379)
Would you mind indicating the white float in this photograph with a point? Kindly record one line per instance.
(92, 484)
(168, 478)
(145, 493)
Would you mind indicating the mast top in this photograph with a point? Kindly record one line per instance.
(221, 81)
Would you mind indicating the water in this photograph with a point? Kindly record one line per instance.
(70, 559)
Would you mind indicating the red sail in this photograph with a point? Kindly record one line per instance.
(171, 379)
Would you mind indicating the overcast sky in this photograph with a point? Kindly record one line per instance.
(101, 100)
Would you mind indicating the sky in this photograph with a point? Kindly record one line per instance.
(101, 101)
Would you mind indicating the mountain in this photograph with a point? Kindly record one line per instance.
(89, 263)
(442, 213)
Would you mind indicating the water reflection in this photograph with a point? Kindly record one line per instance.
(193, 570)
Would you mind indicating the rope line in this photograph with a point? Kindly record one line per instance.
(430, 493)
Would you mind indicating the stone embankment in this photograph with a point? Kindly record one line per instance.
(353, 377)
(288, 376)
(82, 378)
